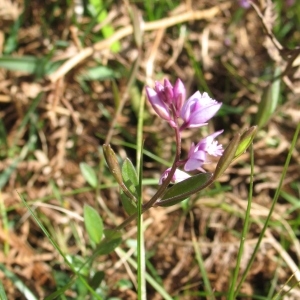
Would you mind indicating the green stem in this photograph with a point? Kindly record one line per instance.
(266, 223)
(162, 188)
(142, 293)
(244, 232)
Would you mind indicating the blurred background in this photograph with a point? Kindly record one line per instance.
(72, 76)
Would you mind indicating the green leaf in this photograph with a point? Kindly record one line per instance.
(131, 182)
(93, 224)
(2, 292)
(184, 189)
(97, 279)
(39, 66)
(98, 73)
(129, 204)
(112, 234)
(89, 174)
(18, 283)
(77, 261)
(108, 245)
(246, 139)
(129, 175)
(228, 156)
(269, 101)
(98, 9)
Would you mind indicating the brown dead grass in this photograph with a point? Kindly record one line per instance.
(71, 118)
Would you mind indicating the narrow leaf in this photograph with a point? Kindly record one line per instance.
(2, 292)
(129, 172)
(97, 279)
(108, 245)
(269, 101)
(29, 64)
(227, 156)
(112, 234)
(98, 73)
(129, 204)
(246, 140)
(93, 224)
(184, 189)
(88, 174)
(130, 179)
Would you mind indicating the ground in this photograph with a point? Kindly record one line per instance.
(72, 80)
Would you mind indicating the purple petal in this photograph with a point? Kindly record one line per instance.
(177, 177)
(188, 106)
(157, 104)
(179, 95)
(209, 139)
(193, 164)
(168, 91)
(200, 117)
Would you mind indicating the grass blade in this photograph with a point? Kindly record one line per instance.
(19, 284)
(277, 193)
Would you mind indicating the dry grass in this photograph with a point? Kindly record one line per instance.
(72, 118)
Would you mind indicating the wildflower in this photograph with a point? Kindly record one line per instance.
(167, 100)
(157, 103)
(177, 177)
(197, 110)
(197, 153)
(179, 94)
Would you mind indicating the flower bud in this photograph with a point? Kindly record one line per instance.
(158, 104)
(112, 162)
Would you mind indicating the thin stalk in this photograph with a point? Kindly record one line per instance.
(201, 265)
(142, 293)
(162, 188)
(245, 230)
(277, 193)
(165, 183)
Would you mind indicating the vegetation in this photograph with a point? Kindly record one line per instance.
(74, 107)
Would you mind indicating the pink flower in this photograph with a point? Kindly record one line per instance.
(197, 110)
(177, 177)
(167, 100)
(158, 104)
(179, 94)
(197, 153)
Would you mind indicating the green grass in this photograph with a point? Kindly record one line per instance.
(59, 198)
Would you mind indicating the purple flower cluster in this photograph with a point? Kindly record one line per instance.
(170, 104)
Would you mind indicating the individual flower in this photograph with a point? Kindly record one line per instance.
(158, 104)
(197, 153)
(197, 110)
(167, 100)
(177, 177)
